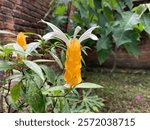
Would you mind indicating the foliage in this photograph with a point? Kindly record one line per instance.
(121, 24)
(30, 85)
(58, 11)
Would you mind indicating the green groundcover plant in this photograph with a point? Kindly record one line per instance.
(31, 85)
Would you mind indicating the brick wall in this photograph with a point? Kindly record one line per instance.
(124, 60)
(22, 15)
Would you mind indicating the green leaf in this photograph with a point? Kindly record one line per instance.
(148, 6)
(56, 59)
(88, 85)
(35, 98)
(132, 49)
(102, 55)
(5, 65)
(15, 91)
(103, 43)
(81, 9)
(146, 22)
(35, 67)
(60, 10)
(120, 37)
(129, 20)
(56, 88)
(63, 56)
(43, 60)
(50, 74)
(108, 13)
(97, 4)
(139, 27)
(140, 9)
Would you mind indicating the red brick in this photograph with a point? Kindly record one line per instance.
(6, 11)
(8, 4)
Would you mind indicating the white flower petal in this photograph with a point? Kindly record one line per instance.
(87, 34)
(49, 36)
(77, 30)
(58, 32)
(32, 47)
(93, 37)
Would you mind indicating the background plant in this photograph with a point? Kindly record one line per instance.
(121, 24)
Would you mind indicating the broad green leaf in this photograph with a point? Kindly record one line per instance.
(102, 55)
(125, 37)
(113, 3)
(132, 49)
(146, 22)
(15, 91)
(35, 98)
(129, 20)
(50, 74)
(5, 65)
(88, 85)
(140, 9)
(35, 67)
(120, 37)
(103, 43)
(129, 3)
(108, 13)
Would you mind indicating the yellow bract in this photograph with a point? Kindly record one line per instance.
(21, 40)
(73, 63)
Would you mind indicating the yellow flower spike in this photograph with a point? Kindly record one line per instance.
(21, 40)
(73, 65)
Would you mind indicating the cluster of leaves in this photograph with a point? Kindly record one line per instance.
(58, 11)
(121, 24)
(32, 86)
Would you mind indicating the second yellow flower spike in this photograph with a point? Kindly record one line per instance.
(21, 40)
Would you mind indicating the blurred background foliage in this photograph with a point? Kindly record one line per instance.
(122, 23)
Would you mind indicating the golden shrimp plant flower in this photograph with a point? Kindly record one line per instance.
(21, 40)
(73, 64)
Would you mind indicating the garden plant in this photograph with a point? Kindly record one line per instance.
(30, 85)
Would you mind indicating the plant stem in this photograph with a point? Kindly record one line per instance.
(43, 83)
(54, 106)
